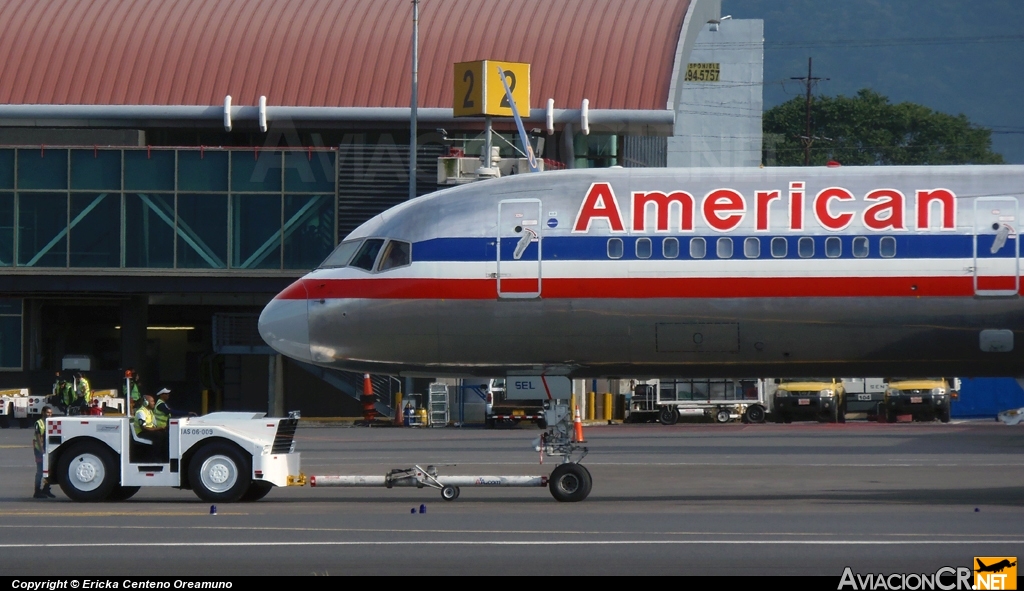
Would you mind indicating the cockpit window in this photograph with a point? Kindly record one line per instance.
(396, 254)
(342, 254)
(367, 254)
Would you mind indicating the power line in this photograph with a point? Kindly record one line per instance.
(808, 139)
(859, 148)
(879, 42)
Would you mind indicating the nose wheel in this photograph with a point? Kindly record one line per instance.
(570, 483)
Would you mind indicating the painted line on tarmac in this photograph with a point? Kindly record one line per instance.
(720, 464)
(491, 531)
(813, 465)
(574, 542)
(183, 513)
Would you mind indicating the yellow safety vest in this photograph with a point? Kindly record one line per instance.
(147, 420)
(66, 393)
(84, 391)
(39, 437)
(160, 417)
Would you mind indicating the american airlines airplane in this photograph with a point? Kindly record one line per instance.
(685, 272)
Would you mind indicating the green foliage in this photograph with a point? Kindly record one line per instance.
(867, 129)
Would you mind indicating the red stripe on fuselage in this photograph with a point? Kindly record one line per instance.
(295, 291)
(997, 283)
(642, 288)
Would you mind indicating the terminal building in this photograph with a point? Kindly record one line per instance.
(166, 168)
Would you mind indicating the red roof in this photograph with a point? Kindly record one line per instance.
(338, 53)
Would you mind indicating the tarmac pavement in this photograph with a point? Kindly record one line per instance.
(801, 499)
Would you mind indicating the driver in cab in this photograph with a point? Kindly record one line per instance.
(146, 427)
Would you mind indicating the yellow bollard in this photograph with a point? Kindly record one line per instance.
(205, 405)
(398, 409)
(591, 405)
(608, 407)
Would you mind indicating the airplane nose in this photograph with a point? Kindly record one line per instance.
(284, 323)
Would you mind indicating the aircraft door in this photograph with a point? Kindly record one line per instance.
(996, 247)
(519, 248)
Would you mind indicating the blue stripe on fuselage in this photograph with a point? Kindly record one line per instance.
(594, 248)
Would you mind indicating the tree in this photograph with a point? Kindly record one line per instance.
(867, 129)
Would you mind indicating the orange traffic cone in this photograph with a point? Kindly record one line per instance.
(577, 425)
(369, 411)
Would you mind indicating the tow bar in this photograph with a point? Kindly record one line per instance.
(420, 477)
(568, 482)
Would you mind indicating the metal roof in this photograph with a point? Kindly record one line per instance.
(331, 53)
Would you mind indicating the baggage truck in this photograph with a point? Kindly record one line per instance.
(722, 400)
(499, 410)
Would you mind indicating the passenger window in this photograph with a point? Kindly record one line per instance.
(752, 248)
(805, 247)
(643, 248)
(341, 255)
(397, 254)
(615, 248)
(887, 247)
(724, 248)
(367, 255)
(860, 247)
(670, 248)
(833, 247)
(698, 248)
(779, 247)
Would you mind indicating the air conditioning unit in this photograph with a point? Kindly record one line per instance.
(76, 363)
(454, 170)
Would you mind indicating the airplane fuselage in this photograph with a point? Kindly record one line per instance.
(642, 272)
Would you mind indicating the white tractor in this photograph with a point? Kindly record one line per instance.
(222, 457)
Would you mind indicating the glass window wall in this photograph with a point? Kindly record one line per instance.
(192, 208)
(6, 229)
(308, 230)
(256, 239)
(256, 171)
(95, 230)
(309, 172)
(149, 230)
(202, 170)
(7, 169)
(42, 169)
(149, 170)
(201, 237)
(10, 334)
(96, 170)
(42, 229)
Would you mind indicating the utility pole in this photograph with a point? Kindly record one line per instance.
(807, 138)
(414, 102)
